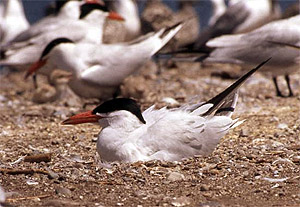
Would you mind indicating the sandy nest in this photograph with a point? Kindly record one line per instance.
(256, 164)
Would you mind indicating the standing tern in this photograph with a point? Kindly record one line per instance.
(128, 135)
(157, 15)
(240, 16)
(65, 10)
(128, 9)
(250, 48)
(99, 69)
(88, 29)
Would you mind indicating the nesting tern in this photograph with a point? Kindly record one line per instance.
(128, 135)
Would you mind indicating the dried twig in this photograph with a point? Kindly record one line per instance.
(27, 198)
(38, 158)
(23, 171)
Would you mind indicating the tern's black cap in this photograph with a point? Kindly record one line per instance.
(53, 44)
(87, 8)
(120, 104)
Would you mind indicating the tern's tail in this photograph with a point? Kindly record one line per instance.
(225, 102)
(151, 43)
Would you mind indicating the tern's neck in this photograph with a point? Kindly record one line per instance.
(219, 7)
(14, 8)
(94, 33)
(69, 10)
(117, 140)
(123, 121)
(129, 10)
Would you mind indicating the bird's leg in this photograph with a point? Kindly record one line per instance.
(287, 78)
(278, 93)
(34, 81)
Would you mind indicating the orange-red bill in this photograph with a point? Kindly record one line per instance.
(85, 117)
(115, 16)
(95, 2)
(34, 67)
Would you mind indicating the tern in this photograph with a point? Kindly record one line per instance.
(99, 69)
(88, 29)
(128, 9)
(65, 10)
(240, 16)
(250, 48)
(13, 20)
(128, 135)
(219, 7)
(157, 15)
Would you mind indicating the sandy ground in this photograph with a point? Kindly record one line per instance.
(256, 164)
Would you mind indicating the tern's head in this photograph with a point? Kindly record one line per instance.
(115, 108)
(45, 54)
(89, 7)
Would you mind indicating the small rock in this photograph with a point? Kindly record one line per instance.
(244, 133)
(52, 174)
(204, 187)
(181, 201)
(282, 126)
(63, 191)
(296, 159)
(211, 204)
(170, 101)
(3, 98)
(60, 203)
(175, 176)
(32, 182)
(208, 194)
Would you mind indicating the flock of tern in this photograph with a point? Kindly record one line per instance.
(249, 33)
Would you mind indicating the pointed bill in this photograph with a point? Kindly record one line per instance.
(85, 117)
(115, 16)
(34, 67)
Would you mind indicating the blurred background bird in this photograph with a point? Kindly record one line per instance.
(94, 22)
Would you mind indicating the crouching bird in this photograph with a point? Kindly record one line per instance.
(128, 135)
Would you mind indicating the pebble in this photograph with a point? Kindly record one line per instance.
(244, 133)
(204, 187)
(59, 203)
(63, 191)
(169, 100)
(31, 182)
(211, 204)
(296, 159)
(52, 174)
(282, 126)
(175, 176)
(181, 201)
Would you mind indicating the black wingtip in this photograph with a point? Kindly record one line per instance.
(217, 100)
